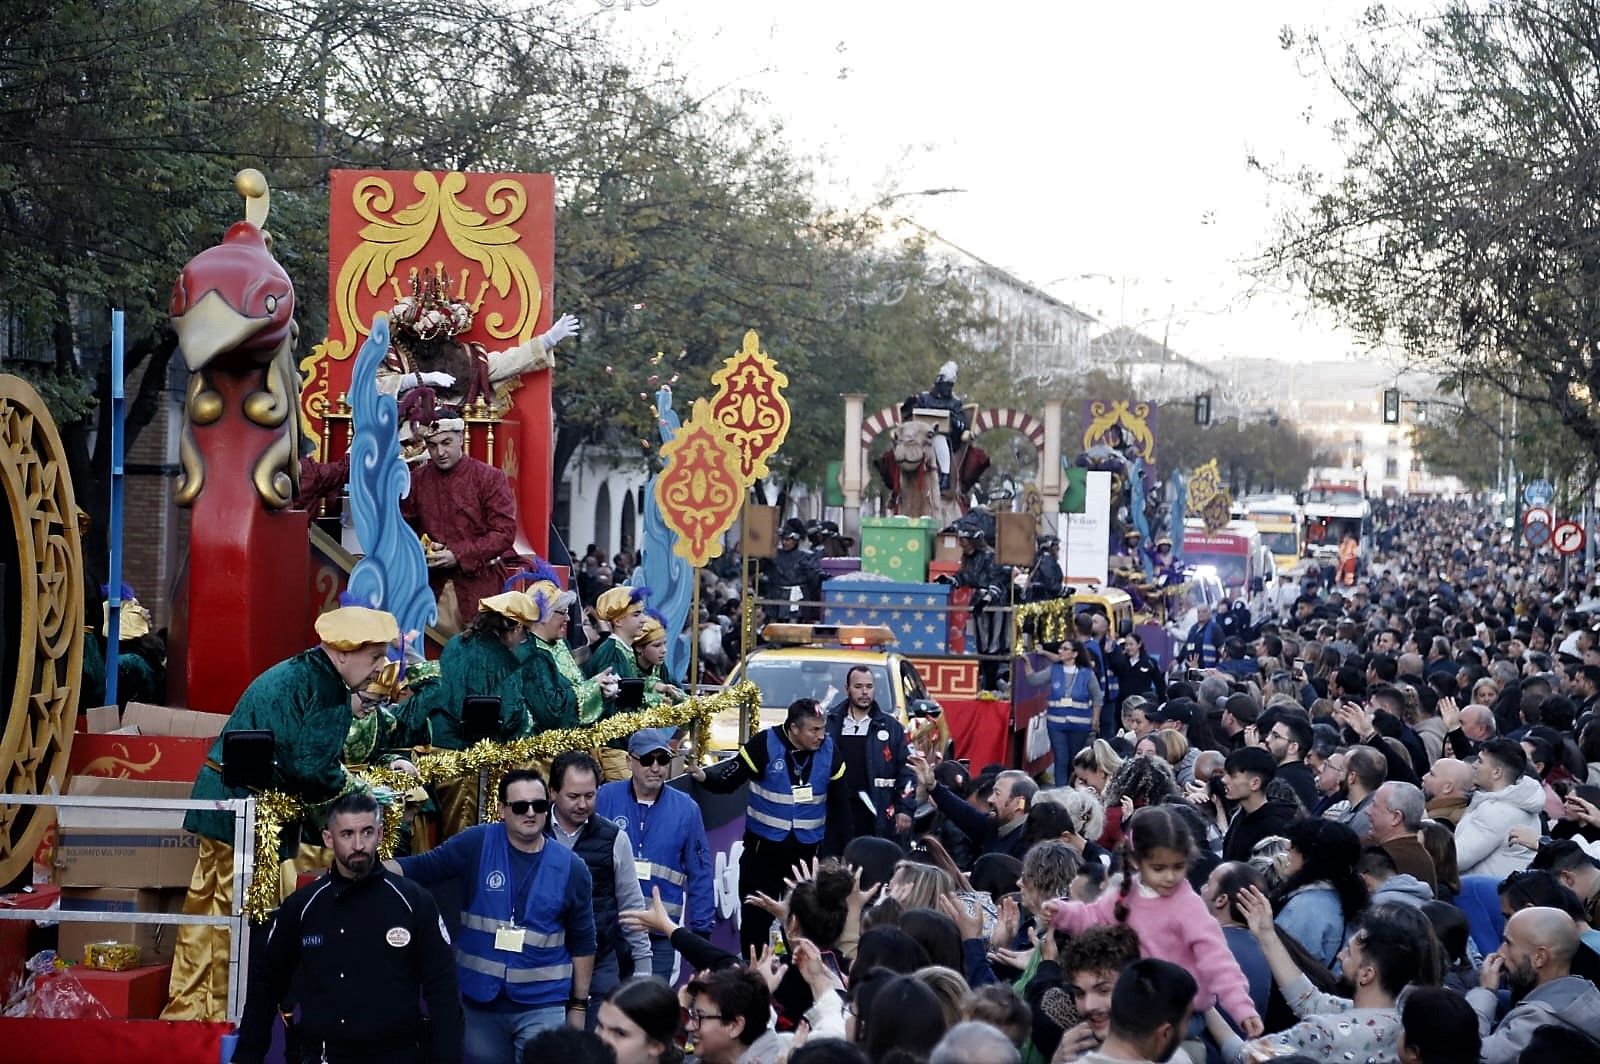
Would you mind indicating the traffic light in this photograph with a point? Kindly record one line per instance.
(1391, 406)
(1202, 409)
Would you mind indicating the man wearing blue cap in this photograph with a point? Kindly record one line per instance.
(671, 853)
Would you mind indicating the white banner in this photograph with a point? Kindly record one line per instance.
(1086, 537)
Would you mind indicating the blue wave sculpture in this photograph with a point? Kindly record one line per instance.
(1136, 513)
(669, 577)
(1179, 508)
(393, 573)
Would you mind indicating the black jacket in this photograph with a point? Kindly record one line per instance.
(892, 784)
(1142, 677)
(1247, 829)
(982, 828)
(362, 950)
(596, 847)
(1298, 775)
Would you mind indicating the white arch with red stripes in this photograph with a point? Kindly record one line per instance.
(994, 417)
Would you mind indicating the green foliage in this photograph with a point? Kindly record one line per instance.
(69, 397)
(1464, 226)
(1253, 457)
(681, 221)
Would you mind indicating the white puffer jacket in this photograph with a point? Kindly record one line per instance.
(1482, 848)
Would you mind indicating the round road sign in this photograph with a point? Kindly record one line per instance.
(1536, 524)
(1567, 537)
(1538, 493)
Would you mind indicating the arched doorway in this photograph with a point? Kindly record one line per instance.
(602, 520)
(629, 536)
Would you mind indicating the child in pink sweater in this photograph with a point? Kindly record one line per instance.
(1172, 921)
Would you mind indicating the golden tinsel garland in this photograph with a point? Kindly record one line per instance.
(277, 811)
(1049, 621)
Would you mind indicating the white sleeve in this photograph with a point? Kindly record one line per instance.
(630, 898)
(525, 358)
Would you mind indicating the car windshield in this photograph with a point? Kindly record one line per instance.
(1229, 567)
(784, 679)
(1280, 542)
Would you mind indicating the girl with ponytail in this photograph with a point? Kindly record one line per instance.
(1156, 900)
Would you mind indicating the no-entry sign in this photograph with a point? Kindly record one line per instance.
(1567, 537)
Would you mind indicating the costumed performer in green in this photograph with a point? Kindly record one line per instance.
(305, 702)
(474, 664)
(554, 608)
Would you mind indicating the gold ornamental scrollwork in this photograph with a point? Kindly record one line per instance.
(391, 237)
(45, 625)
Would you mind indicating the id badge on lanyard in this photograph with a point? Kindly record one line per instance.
(803, 794)
(509, 939)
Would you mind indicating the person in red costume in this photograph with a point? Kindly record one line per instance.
(463, 510)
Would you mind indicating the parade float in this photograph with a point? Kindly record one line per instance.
(268, 552)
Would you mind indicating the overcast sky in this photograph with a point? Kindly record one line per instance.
(1107, 139)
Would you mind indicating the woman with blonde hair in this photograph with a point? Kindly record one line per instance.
(920, 886)
(1094, 766)
(948, 986)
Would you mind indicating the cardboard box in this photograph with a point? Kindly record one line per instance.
(896, 547)
(136, 994)
(909, 610)
(117, 846)
(947, 547)
(144, 742)
(155, 941)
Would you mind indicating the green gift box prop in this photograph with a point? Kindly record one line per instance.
(897, 547)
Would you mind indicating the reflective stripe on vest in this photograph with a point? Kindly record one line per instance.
(530, 937)
(665, 875)
(773, 811)
(516, 975)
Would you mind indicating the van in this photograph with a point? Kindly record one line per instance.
(1234, 551)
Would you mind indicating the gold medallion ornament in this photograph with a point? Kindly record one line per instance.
(44, 625)
(749, 404)
(1208, 499)
(699, 490)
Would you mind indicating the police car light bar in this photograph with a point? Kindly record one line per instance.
(852, 635)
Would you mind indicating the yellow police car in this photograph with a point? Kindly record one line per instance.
(810, 661)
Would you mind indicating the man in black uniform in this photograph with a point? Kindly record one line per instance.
(1046, 580)
(795, 776)
(363, 943)
(879, 789)
(991, 583)
(792, 575)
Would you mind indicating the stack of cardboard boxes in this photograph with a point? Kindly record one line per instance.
(117, 859)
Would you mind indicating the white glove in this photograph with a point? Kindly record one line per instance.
(565, 326)
(433, 380)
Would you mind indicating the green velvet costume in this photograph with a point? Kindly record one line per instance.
(305, 704)
(92, 693)
(538, 690)
(138, 679)
(614, 654)
(591, 703)
(471, 665)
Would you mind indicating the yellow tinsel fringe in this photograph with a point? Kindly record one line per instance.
(277, 811)
(1050, 621)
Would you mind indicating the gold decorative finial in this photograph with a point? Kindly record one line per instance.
(252, 185)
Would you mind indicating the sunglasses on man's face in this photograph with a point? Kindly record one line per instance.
(661, 758)
(540, 806)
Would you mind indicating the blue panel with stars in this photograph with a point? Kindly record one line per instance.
(914, 612)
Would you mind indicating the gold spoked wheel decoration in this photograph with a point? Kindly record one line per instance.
(43, 651)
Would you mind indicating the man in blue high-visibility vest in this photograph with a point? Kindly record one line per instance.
(790, 770)
(670, 851)
(525, 952)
